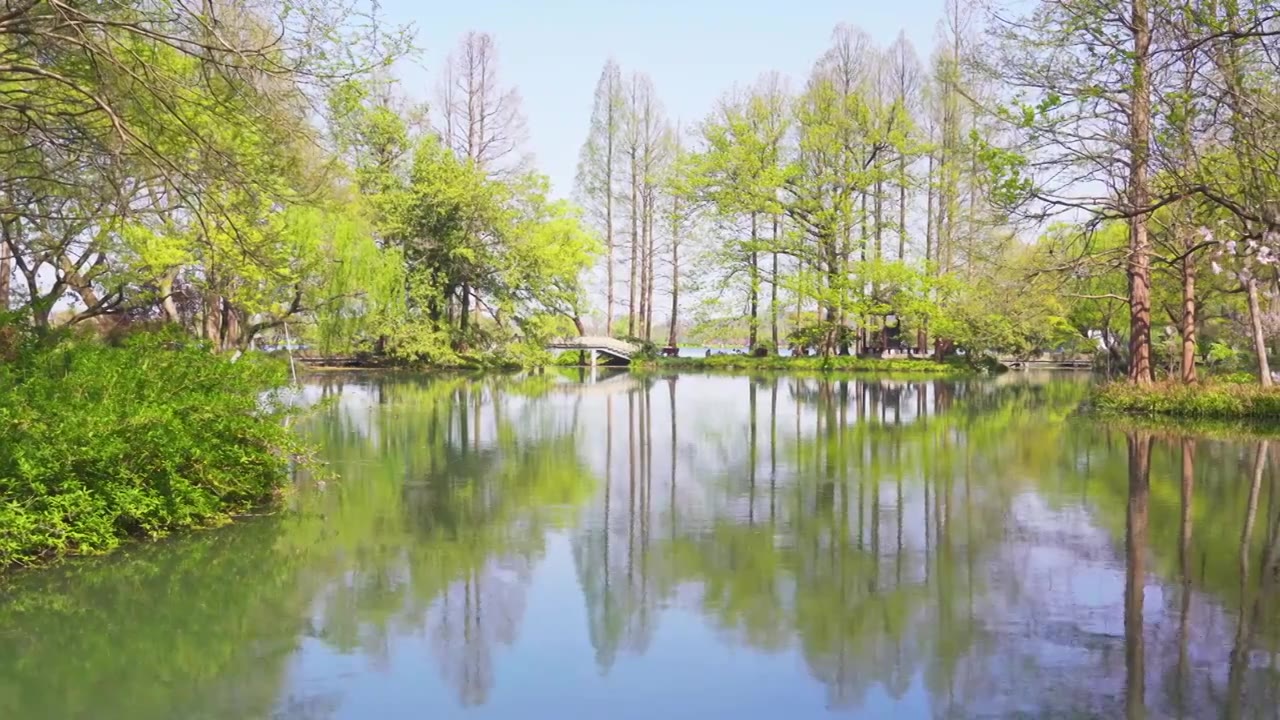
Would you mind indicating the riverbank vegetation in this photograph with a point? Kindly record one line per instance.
(1210, 400)
(101, 442)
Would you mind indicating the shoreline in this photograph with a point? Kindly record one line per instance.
(1220, 402)
(837, 363)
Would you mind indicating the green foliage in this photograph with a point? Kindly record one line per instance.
(487, 261)
(99, 443)
(647, 349)
(1219, 400)
(1222, 355)
(1235, 378)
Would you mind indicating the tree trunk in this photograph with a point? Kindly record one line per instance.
(1139, 446)
(464, 316)
(860, 342)
(6, 276)
(644, 264)
(230, 331)
(773, 289)
(675, 287)
(212, 317)
(650, 256)
(754, 277)
(879, 211)
(635, 240)
(928, 214)
(922, 336)
(167, 303)
(902, 206)
(1188, 320)
(1259, 339)
(608, 223)
(1139, 269)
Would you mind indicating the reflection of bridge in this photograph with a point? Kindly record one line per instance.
(599, 382)
(616, 349)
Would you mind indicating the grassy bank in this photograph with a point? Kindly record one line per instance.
(819, 364)
(99, 443)
(1210, 401)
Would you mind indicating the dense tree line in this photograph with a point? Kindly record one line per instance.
(1054, 176)
(1065, 175)
(235, 168)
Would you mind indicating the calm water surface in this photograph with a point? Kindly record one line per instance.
(691, 547)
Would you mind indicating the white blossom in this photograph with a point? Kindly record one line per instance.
(1217, 269)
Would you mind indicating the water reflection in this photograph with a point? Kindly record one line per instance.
(510, 547)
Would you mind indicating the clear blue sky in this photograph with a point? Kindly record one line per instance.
(694, 50)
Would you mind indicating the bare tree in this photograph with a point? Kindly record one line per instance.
(904, 71)
(645, 140)
(598, 167)
(480, 119)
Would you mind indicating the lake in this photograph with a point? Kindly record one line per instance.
(690, 546)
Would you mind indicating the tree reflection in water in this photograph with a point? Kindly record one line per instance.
(970, 547)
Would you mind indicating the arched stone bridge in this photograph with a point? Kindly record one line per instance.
(619, 350)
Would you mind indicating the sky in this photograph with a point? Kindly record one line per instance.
(695, 51)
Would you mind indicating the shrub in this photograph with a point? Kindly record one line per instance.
(100, 443)
(1222, 355)
(1236, 378)
(646, 349)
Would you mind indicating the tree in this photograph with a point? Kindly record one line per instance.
(479, 119)
(599, 167)
(904, 74)
(679, 215)
(645, 148)
(740, 174)
(1082, 74)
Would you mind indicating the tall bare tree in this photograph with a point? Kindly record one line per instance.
(479, 118)
(904, 71)
(645, 147)
(599, 167)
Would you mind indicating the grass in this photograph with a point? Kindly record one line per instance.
(1209, 401)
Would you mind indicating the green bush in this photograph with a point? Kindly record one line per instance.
(1212, 401)
(100, 442)
(569, 359)
(1236, 378)
(645, 349)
